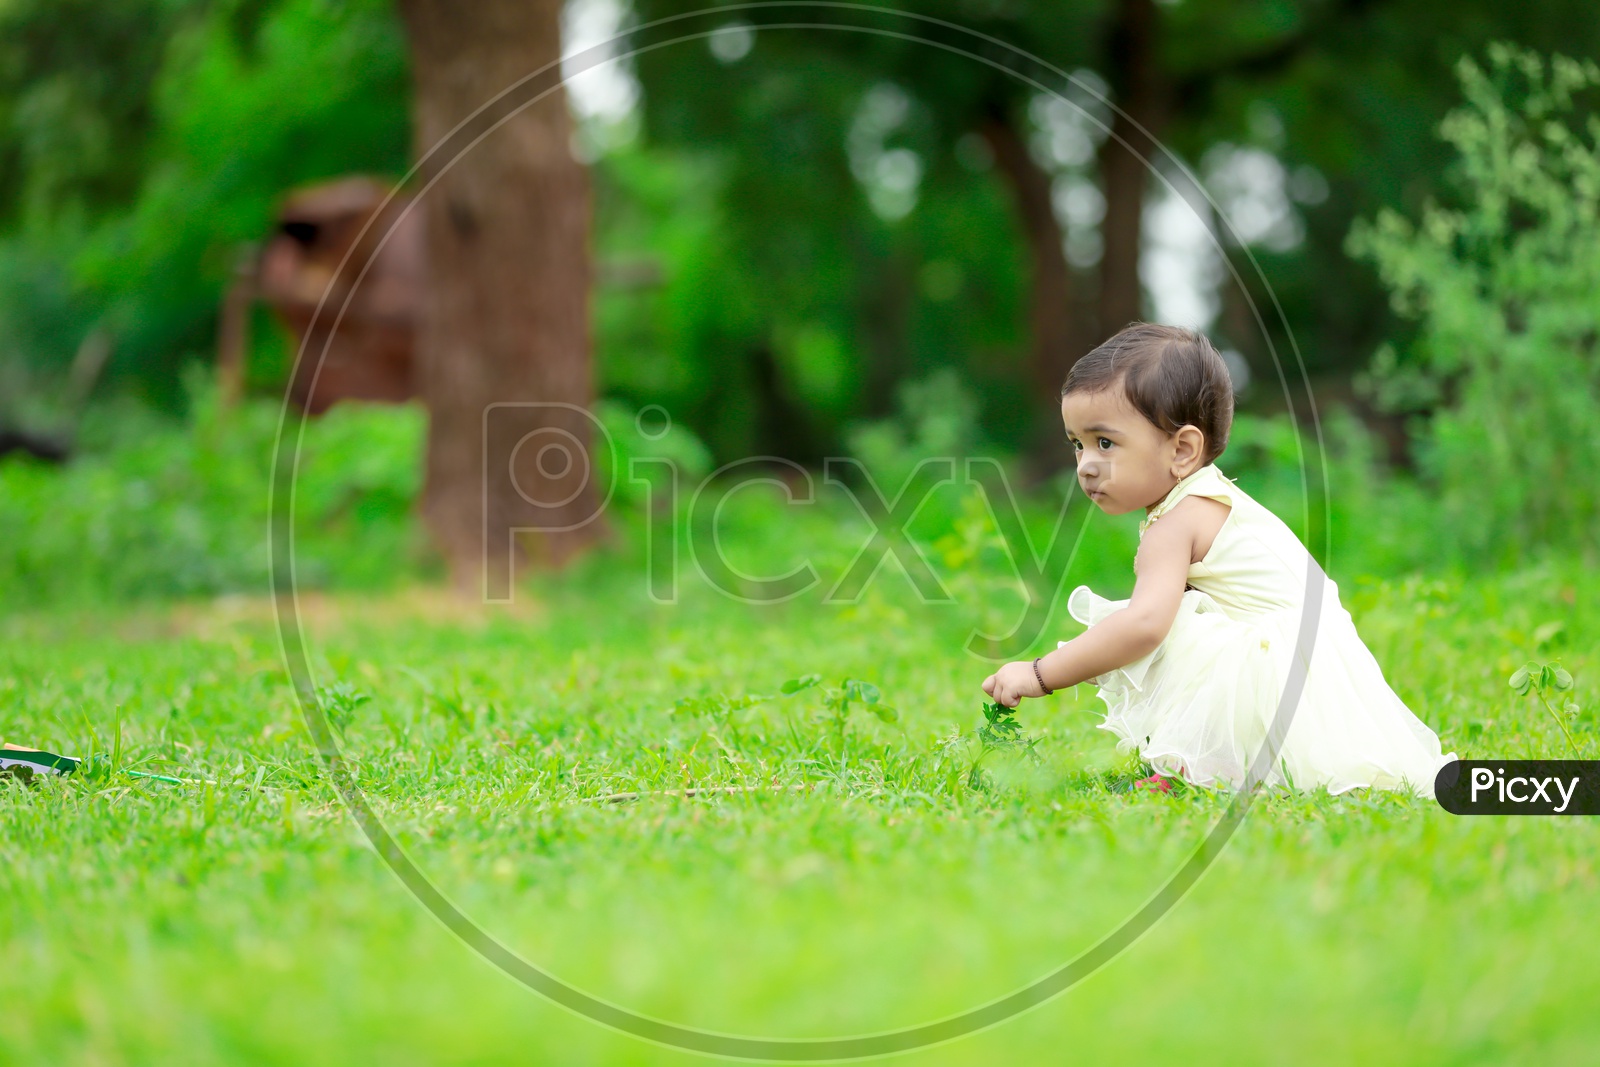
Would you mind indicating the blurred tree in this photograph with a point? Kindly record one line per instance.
(836, 122)
(1330, 99)
(1342, 99)
(1503, 277)
(77, 82)
(833, 211)
(506, 315)
(207, 112)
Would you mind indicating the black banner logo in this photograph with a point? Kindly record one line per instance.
(1519, 787)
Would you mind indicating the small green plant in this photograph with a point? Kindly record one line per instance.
(1544, 680)
(719, 709)
(339, 703)
(838, 699)
(1000, 727)
(1002, 733)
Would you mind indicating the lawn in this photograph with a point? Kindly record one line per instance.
(861, 881)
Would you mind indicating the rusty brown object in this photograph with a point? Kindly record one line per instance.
(370, 355)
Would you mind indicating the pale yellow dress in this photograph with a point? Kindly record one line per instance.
(1199, 706)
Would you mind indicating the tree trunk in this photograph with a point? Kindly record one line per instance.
(1055, 341)
(503, 360)
(1137, 89)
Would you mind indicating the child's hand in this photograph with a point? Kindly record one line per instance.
(1011, 683)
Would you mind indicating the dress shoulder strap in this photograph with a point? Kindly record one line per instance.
(1207, 481)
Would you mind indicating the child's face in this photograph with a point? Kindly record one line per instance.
(1125, 461)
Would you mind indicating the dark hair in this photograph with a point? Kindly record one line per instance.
(1171, 376)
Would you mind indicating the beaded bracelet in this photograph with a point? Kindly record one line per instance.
(1037, 673)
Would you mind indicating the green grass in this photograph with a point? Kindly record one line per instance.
(247, 921)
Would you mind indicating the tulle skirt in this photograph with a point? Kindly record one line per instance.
(1200, 707)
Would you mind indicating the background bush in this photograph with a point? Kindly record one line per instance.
(160, 508)
(1506, 289)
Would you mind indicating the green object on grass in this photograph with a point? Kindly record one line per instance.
(24, 763)
(157, 777)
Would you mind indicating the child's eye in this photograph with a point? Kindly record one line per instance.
(1077, 445)
(1105, 443)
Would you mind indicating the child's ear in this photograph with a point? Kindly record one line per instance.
(1189, 450)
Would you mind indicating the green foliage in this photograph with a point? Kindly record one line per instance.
(1000, 727)
(77, 79)
(339, 702)
(1548, 682)
(935, 417)
(837, 700)
(814, 296)
(629, 438)
(1506, 290)
(1001, 736)
(722, 710)
(160, 509)
(236, 104)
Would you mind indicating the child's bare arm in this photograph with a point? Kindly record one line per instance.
(1161, 569)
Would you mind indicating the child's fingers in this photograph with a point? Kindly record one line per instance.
(988, 685)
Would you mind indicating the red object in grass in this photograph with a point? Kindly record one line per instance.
(1159, 783)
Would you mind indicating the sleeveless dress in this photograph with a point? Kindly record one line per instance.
(1200, 705)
